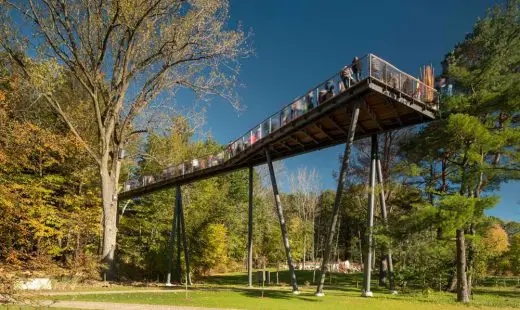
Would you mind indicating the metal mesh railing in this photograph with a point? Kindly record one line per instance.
(368, 66)
(386, 73)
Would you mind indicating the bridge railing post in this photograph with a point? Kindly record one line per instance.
(369, 65)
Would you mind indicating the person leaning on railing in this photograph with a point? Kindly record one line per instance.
(326, 93)
(252, 137)
(346, 76)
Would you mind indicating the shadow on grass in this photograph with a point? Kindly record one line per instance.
(338, 282)
(272, 292)
(284, 277)
(510, 294)
(277, 294)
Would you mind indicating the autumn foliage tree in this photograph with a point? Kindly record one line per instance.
(120, 56)
(47, 206)
(495, 240)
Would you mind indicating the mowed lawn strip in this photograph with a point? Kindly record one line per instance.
(229, 291)
(284, 299)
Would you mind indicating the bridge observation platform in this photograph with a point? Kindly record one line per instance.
(387, 98)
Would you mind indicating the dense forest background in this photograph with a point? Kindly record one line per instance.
(440, 178)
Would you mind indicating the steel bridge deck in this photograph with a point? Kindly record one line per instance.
(382, 109)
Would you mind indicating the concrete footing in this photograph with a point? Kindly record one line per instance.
(367, 294)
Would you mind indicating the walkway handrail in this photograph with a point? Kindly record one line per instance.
(426, 94)
(369, 66)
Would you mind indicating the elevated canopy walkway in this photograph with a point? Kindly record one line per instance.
(368, 98)
(388, 99)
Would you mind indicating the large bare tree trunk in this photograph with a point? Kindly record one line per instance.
(109, 223)
(462, 283)
(109, 179)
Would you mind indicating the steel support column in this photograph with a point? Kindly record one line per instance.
(170, 245)
(183, 231)
(178, 223)
(250, 231)
(384, 213)
(281, 218)
(367, 266)
(337, 200)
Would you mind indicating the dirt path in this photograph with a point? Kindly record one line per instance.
(55, 293)
(114, 305)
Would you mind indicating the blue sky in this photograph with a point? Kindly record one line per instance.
(300, 43)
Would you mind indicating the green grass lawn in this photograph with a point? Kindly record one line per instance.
(229, 291)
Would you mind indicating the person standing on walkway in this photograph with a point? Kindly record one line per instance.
(330, 89)
(309, 100)
(297, 108)
(322, 96)
(356, 68)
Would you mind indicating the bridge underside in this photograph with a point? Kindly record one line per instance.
(382, 109)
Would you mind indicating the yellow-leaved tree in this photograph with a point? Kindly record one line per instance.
(495, 241)
(119, 56)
